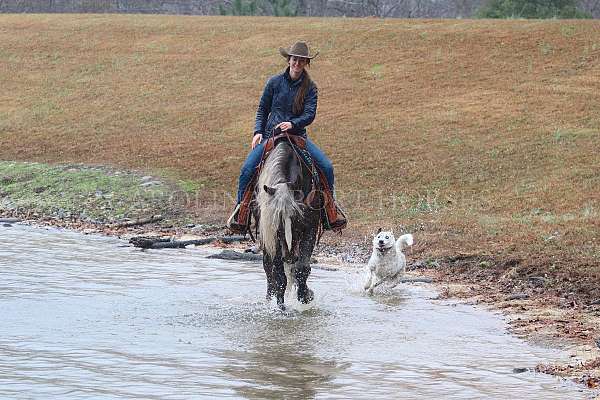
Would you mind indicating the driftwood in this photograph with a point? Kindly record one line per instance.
(9, 220)
(416, 280)
(236, 256)
(153, 243)
(405, 279)
(146, 242)
(154, 218)
(248, 256)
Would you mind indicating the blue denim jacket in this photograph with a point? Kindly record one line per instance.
(276, 105)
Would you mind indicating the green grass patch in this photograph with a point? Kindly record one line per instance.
(455, 142)
(377, 71)
(568, 30)
(408, 205)
(546, 48)
(566, 136)
(90, 193)
(191, 187)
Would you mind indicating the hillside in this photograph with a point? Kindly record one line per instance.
(482, 137)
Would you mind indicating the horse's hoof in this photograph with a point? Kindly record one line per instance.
(307, 296)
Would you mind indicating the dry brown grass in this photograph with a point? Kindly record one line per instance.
(479, 136)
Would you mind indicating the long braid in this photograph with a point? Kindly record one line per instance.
(305, 86)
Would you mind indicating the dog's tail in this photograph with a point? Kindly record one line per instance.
(404, 241)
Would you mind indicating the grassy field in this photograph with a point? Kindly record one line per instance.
(480, 137)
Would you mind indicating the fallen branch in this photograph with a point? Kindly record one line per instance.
(236, 256)
(406, 279)
(154, 218)
(9, 220)
(324, 267)
(153, 243)
(146, 242)
(416, 280)
(247, 256)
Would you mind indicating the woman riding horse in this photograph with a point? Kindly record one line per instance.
(289, 103)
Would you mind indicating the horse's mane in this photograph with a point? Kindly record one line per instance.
(277, 208)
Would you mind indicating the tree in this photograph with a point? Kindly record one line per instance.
(590, 6)
(531, 9)
(281, 8)
(239, 7)
(278, 8)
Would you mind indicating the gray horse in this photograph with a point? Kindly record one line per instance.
(287, 227)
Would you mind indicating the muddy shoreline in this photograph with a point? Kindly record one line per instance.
(532, 313)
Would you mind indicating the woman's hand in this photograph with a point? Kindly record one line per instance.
(284, 126)
(256, 139)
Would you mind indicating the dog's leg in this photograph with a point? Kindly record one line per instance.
(371, 288)
(373, 283)
(391, 281)
(369, 279)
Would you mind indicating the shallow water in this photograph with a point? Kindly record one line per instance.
(86, 317)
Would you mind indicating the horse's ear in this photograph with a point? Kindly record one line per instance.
(269, 190)
(378, 230)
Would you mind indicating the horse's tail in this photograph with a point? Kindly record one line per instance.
(277, 206)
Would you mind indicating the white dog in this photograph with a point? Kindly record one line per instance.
(387, 262)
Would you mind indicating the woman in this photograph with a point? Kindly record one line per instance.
(288, 102)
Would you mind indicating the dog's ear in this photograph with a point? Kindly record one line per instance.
(378, 231)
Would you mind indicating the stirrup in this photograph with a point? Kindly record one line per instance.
(340, 222)
(233, 224)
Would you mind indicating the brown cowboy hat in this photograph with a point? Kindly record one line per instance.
(298, 49)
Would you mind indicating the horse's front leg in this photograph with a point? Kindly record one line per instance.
(268, 267)
(279, 279)
(302, 272)
(306, 247)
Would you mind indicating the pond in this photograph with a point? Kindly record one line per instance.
(87, 316)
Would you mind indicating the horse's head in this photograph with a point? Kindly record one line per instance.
(289, 227)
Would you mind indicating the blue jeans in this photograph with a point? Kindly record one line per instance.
(253, 159)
